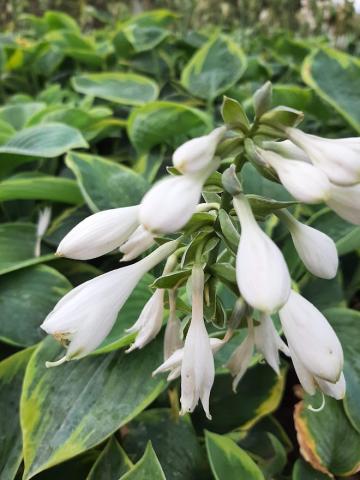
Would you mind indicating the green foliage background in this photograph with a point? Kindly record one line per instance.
(89, 119)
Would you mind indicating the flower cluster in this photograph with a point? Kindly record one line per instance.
(312, 169)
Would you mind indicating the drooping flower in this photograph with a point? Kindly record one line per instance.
(99, 233)
(83, 318)
(196, 154)
(266, 340)
(312, 342)
(149, 322)
(171, 202)
(197, 368)
(316, 250)
(41, 227)
(136, 244)
(287, 149)
(345, 201)
(262, 275)
(339, 159)
(304, 181)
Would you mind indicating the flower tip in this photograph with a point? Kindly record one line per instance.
(59, 253)
(131, 348)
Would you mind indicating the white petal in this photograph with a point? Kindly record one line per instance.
(136, 244)
(312, 338)
(172, 338)
(339, 159)
(316, 250)
(240, 359)
(305, 182)
(196, 154)
(170, 203)
(262, 275)
(100, 233)
(150, 320)
(345, 201)
(287, 149)
(336, 390)
(267, 341)
(305, 377)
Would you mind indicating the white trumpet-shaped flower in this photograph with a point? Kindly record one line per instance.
(266, 340)
(83, 318)
(316, 250)
(136, 244)
(196, 154)
(174, 362)
(339, 159)
(99, 233)
(197, 368)
(345, 201)
(171, 202)
(172, 338)
(149, 322)
(311, 339)
(304, 181)
(262, 275)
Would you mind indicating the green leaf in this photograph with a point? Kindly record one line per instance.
(26, 297)
(228, 461)
(18, 115)
(17, 245)
(262, 206)
(174, 441)
(147, 468)
(54, 189)
(123, 88)
(327, 439)
(346, 324)
(165, 122)
(255, 184)
(229, 231)
(143, 32)
(304, 471)
(345, 234)
(106, 184)
(171, 280)
(214, 68)
(111, 463)
(91, 398)
(12, 371)
(335, 77)
(49, 140)
(324, 293)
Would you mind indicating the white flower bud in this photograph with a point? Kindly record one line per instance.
(262, 275)
(345, 201)
(305, 182)
(84, 317)
(197, 369)
(99, 233)
(336, 390)
(136, 244)
(149, 322)
(196, 154)
(311, 338)
(170, 203)
(316, 250)
(339, 159)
